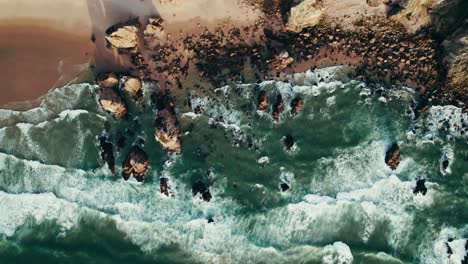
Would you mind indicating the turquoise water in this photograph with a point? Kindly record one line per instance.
(59, 203)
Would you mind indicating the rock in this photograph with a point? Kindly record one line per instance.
(288, 142)
(167, 129)
(111, 101)
(163, 186)
(278, 107)
(262, 100)
(124, 36)
(392, 157)
(155, 28)
(135, 164)
(306, 14)
(210, 220)
(282, 61)
(108, 80)
(107, 152)
(296, 105)
(133, 87)
(200, 187)
(284, 186)
(420, 187)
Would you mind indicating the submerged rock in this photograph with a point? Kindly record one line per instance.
(392, 157)
(167, 129)
(135, 164)
(262, 100)
(296, 105)
(420, 187)
(278, 107)
(107, 152)
(200, 187)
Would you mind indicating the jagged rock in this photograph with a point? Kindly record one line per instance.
(200, 187)
(420, 187)
(163, 186)
(155, 28)
(278, 107)
(108, 80)
(135, 164)
(107, 152)
(167, 129)
(392, 157)
(296, 105)
(306, 14)
(262, 100)
(123, 36)
(210, 220)
(288, 142)
(111, 101)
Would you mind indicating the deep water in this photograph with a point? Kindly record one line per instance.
(60, 204)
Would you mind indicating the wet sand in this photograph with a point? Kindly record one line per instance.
(34, 59)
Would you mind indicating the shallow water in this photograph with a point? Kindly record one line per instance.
(344, 204)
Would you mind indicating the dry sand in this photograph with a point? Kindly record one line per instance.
(45, 44)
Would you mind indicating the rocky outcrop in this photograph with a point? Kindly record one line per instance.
(135, 164)
(296, 105)
(124, 36)
(278, 107)
(167, 129)
(200, 188)
(420, 187)
(109, 97)
(306, 14)
(392, 157)
(107, 152)
(262, 100)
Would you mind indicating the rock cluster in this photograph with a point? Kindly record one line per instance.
(392, 157)
(135, 164)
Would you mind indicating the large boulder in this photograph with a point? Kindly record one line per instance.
(124, 36)
(262, 100)
(155, 28)
(167, 129)
(111, 101)
(306, 14)
(392, 157)
(135, 164)
(133, 86)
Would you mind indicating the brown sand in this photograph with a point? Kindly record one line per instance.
(34, 59)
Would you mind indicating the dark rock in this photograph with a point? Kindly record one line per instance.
(284, 187)
(449, 249)
(288, 141)
(163, 186)
(392, 157)
(296, 105)
(107, 152)
(278, 107)
(200, 187)
(420, 187)
(210, 220)
(112, 102)
(135, 164)
(262, 100)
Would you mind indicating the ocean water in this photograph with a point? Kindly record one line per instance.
(60, 204)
